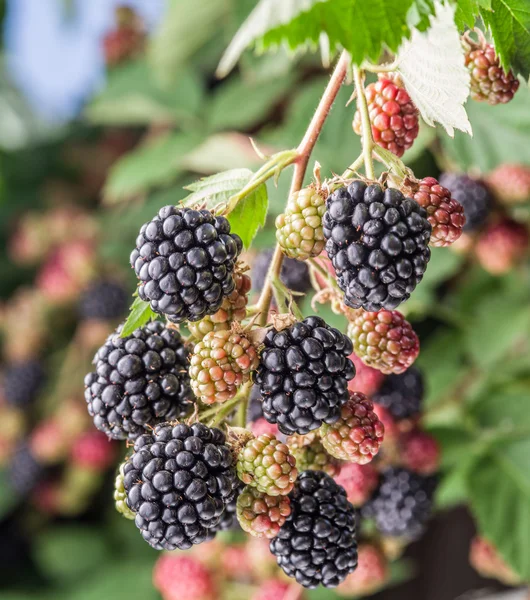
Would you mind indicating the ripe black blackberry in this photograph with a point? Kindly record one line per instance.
(473, 195)
(402, 504)
(105, 300)
(303, 375)
(294, 273)
(179, 481)
(317, 544)
(228, 520)
(139, 381)
(24, 472)
(185, 260)
(255, 405)
(378, 242)
(402, 395)
(22, 382)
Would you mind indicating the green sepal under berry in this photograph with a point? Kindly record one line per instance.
(120, 496)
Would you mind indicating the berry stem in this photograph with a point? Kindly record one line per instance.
(304, 151)
(388, 68)
(350, 171)
(366, 139)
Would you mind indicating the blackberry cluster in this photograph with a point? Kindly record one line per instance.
(22, 382)
(402, 395)
(24, 471)
(294, 273)
(139, 381)
(378, 242)
(473, 195)
(402, 504)
(105, 300)
(185, 261)
(317, 544)
(255, 405)
(179, 481)
(303, 375)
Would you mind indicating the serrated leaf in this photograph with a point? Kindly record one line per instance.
(509, 23)
(362, 28)
(139, 315)
(467, 12)
(433, 70)
(218, 188)
(499, 489)
(249, 215)
(155, 163)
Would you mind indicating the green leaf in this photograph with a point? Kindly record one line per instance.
(222, 151)
(155, 163)
(218, 188)
(500, 135)
(509, 23)
(70, 552)
(186, 27)
(249, 215)
(467, 12)
(139, 315)
(499, 489)
(504, 407)
(363, 28)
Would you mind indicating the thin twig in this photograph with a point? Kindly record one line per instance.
(366, 138)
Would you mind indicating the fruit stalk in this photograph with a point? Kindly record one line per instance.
(366, 139)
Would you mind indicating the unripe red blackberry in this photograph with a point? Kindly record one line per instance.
(378, 242)
(261, 426)
(94, 451)
(317, 544)
(367, 380)
(303, 375)
(393, 116)
(359, 481)
(510, 183)
(299, 229)
(275, 589)
(139, 381)
(260, 514)
(358, 433)
(489, 82)
(267, 464)
(473, 195)
(371, 575)
(502, 246)
(444, 213)
(126, 40)
(420, 452)
(310, 454)
(185, 260)
(220, 364)
(179, 481)
(384, 340)
(179, 577)
(485, 559)
(120, 495)
(233, 308)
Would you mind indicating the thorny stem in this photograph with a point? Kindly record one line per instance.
(304, 151)
(366, 138)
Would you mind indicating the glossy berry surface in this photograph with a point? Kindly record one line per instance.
(139, 381)
(303, 375)
(317, 545)
(294, 273)
(473, 195)
(179, 481)
(378, 242)
(184, 260)
(402, 395)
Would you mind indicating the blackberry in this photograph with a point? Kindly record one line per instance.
(402, 504)
(179, 481)
(510, 183)
(22, 382)
(378, 242)
(104, 300)
(501, 246)
(24, 471)
(402, 395)
(139, 381)
(303, 375)
(473, 195)
(185, 261)
(317, 544)
(294, 273)
(255, 405)
(228, 520)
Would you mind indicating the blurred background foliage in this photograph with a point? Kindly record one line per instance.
(118, 141)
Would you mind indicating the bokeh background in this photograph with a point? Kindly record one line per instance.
(107, 110)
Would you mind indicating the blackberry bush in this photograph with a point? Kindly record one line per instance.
(139, 381)
(179, 481)
(378, 243)
(184, 260)
(303, 375)
(317, 544)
